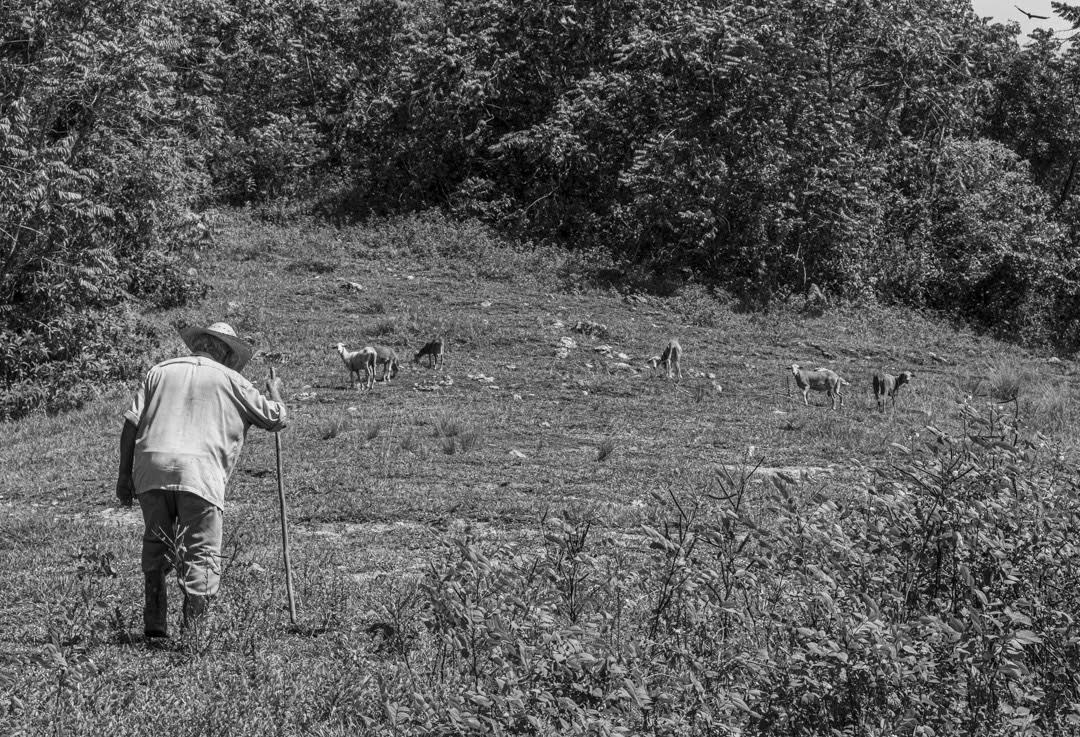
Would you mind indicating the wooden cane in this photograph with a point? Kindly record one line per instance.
(284, 524)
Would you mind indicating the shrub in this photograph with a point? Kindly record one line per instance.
(991, 252)
(285, 74)
(98, 178)
(937, 598)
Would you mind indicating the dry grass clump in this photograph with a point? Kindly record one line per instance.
(1005, 382)
(386, 327)
(1045, 402)
(463, 441)
(1054, 411)
(411, 444)
(447, 425)
(468, 440)
(334, 427)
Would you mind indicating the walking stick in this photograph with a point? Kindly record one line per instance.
(284, 525)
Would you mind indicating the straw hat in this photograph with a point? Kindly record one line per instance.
(223, 331)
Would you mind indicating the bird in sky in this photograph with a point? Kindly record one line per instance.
(1031, 15)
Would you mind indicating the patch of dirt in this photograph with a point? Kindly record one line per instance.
(799, 473)
(340, 530)
(128, 517)
(121, 515)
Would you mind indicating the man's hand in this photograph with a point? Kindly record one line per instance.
(125, 490)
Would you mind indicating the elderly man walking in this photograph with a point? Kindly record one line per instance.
(182, 436)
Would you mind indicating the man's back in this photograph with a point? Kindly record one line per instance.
(192, 414)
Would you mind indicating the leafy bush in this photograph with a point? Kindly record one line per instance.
(98, 175)
(924, 602)
(762, 147)
(284, 74)
(991, 253)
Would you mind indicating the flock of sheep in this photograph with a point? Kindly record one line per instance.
(828, 381)
(369, 358)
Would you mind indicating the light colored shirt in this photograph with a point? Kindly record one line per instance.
(192, 416)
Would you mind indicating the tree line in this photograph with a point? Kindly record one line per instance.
(899, 151)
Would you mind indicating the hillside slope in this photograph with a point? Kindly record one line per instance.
(510, 433)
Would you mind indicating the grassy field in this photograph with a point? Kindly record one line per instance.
(531, 421)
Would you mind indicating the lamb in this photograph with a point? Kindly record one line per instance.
(386, 357)
(434, 350)
(355, 361)
(669, 359)
(820, 380)
(886, 386)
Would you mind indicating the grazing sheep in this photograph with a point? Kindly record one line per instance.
(886, 386)
(356, 361)
(434, 350)
(820, 380)
(387, 358)
(669, 359)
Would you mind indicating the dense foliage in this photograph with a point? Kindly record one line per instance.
(878, 149)
(923, 603)
(904, 151)
(100, 167)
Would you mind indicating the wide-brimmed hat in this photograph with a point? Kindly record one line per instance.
(223, 331)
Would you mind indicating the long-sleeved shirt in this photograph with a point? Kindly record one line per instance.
(192, 415)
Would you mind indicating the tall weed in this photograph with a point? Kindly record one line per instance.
(938, 596)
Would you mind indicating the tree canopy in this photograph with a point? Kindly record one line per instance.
(895, 150)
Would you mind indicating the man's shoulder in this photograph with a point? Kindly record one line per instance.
(234, 377)
(177, 360)
(164, 366)
(202, 363)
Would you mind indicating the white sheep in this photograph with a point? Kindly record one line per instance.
(820, 380)
(357, 361)
(386, 357)
(886, 386)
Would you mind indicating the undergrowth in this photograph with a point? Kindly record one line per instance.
(936, 597)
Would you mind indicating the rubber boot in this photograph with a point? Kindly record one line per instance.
(195, 607)
(156, 608)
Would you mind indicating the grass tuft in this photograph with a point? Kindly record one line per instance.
(461, 440)
(334, 427)
(411, 444)
(386, 327)
(1006, 382)
(447, 426)
(468, 440)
